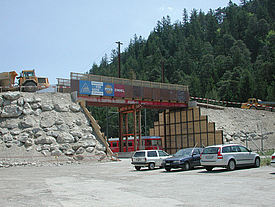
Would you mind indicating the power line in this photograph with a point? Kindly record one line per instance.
(98, 57)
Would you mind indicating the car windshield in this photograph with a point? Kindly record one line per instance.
(183, 153)
(211, 150)
(162, 154)
(139, 154)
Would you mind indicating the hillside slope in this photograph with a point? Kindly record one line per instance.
(238, 124)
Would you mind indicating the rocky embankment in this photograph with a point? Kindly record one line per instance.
(245, 126)
(42, 128)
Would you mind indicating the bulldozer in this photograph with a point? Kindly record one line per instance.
(27, 81)
(257, 104)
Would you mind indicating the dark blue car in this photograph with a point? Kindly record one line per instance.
(185, 159)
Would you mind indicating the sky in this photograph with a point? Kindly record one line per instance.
(57, 37)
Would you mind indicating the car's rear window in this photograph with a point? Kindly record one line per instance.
(139, 154)
(211, 150)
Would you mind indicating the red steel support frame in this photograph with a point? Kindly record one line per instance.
(126, 131)
(121, 131)
(135, 128)
(131, 106)
(139, 128)
(130, 109)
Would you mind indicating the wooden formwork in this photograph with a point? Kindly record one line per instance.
(185, 128)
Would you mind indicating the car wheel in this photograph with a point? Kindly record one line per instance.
(168, 169)
(231, 165)
(151, 166)
(209, 168)
(257, 162)
(186, 166)
(137, 167)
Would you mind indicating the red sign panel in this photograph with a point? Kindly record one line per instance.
(119, 90)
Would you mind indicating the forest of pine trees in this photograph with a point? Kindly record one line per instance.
(225, 54)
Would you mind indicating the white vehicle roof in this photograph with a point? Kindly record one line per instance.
(224, 145)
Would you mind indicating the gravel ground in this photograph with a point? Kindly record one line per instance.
(235, 121)
(119, 184)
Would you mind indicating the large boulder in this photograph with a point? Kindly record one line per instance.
(27, 122)
(10, 123)
(29, 142)
(59, 122)
(7, 137)
(45, 140)
(28, 100)
(90, 149)
(28, 111)
(61, 107)
(56, 152)
(15, 131)
(65, 137)
(69, 152)
(12, 95)
(76, 133)
(23, 137)
(20, 101)
(11, 111)
(46, 107)
(75, 107)
(65, 147)
(4, 130)
(37, 112)
(47, 122)
(80, 150)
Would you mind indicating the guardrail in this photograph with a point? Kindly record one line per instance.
(106, 79)
(230, 102)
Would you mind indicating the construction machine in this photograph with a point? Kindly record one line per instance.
(27, 81)
(258, 104)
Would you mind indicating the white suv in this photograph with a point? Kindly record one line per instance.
(228, 156)
(148, 158)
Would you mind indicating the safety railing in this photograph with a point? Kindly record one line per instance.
(98, 78)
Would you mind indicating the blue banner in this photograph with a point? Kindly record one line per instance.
(96, 88)
(85, 87)
(108, 89)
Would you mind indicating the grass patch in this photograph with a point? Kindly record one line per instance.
(265, 161)
(267, 152)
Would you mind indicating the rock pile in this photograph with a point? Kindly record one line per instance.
(44, 125)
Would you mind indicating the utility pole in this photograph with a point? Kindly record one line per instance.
(164, 114)
(162, 70)
(119, 43)
(120, 118)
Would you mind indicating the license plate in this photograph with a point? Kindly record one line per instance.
(208, 157)
(138, 159)
(167, 163)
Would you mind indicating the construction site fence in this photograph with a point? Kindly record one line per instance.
(106, 79)
(230, 102)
